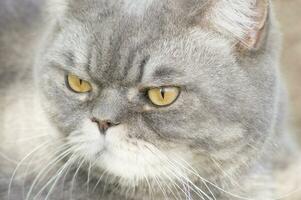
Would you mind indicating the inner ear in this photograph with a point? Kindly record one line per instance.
(244, 20)
(257, 33)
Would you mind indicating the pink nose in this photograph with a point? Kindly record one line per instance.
(104, 125)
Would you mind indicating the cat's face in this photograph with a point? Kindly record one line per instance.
(222, 108)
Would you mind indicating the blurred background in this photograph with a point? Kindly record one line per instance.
(289, 15)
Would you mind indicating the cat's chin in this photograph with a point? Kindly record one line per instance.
(129, 159)
(133, 167)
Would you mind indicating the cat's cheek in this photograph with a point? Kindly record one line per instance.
(122, 156)
(117, 142)
(94, 141)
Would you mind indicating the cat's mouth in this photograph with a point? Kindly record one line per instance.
(121, 156)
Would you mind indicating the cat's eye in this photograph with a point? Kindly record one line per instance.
(78, 85)
(163, 96)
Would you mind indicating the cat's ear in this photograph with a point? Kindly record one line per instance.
(246, 20)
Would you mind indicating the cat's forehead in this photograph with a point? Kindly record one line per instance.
(118, 37)
(98, 10)
(153, 60)
(122, 46)
(132, 22)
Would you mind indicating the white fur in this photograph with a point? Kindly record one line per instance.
(57, 8)
(237, 17)
(24, 122)
(126, 158)
(136, 7)
(132, 94)
(90, 140)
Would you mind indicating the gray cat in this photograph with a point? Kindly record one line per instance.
(143, 99)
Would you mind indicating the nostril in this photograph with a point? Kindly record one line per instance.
(94, 120)
(104, 125)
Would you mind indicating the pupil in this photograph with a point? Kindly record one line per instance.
(162, 91)
(80, 81)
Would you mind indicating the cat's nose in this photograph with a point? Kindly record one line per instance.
(104, 125)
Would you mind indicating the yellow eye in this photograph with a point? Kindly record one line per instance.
(78, 85)
(163, 96)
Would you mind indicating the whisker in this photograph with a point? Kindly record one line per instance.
(233, 182)
(174, 184)
(150, 191)
(165, 158)
(98, 181)
(195, 187)
(88, 177)
(58, 176)
(43, 145)
(160, 187)
(105, 186)
(74, 177)
(8, 159)
(53, 178)
(214, 185)
(47, 168)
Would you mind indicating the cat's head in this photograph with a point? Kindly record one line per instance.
(157, 89)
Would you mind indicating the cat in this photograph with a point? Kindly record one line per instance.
(148, 99)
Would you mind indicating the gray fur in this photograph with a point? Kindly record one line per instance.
(231, 107)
